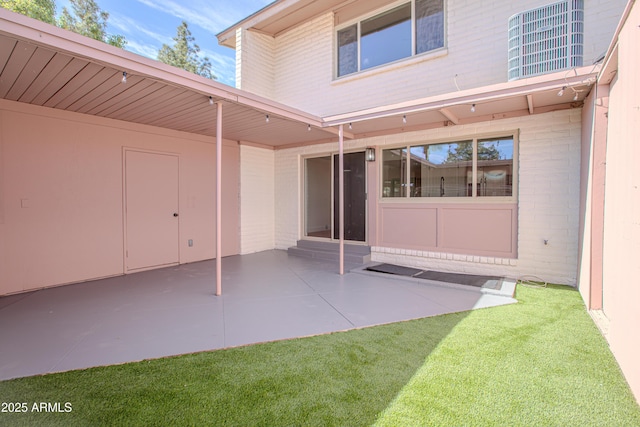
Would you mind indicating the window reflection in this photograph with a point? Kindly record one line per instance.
(394, 163)
(386, 37)
(441, 170)
(495, 167)
(348, 50)
(447, 169)
(429, 25)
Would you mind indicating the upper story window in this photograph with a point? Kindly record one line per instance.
(400, 32)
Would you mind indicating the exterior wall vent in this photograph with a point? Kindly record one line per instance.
(546, 39)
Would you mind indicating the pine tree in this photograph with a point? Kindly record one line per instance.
(42, 10)
(464, 152)
(90, 21)
(184, 53)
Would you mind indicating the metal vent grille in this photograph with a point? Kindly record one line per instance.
(546, 39)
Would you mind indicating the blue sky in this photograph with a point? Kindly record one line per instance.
(147, 24)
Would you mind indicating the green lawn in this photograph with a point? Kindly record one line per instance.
(540, 362)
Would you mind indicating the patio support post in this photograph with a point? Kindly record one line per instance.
(341, 194)
(219, 199)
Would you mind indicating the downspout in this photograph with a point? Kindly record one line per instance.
(598, 195)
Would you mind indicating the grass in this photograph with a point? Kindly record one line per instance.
(539, 362)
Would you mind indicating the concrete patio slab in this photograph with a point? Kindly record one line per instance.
(266, 296)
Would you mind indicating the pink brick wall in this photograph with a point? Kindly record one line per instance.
(61, 218)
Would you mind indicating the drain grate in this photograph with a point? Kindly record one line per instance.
(395, 269)
(489, 282)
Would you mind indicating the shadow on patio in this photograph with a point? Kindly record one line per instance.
(267, 296)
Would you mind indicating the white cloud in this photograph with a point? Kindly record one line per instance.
(148, 50)
(224, 67)
(134, 29)
(211, 16)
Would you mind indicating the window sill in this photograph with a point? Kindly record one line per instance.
(448, 200)
(392, 66)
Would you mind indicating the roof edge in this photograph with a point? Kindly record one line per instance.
(580, 76)
(229, 33)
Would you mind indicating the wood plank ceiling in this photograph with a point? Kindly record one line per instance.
(40, 76)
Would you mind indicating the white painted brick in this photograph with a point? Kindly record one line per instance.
(296, 67)
(257, 199)
(548, 208)
(255, 62)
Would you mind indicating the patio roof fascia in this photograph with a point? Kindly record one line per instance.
(524, 87)
(42, 34)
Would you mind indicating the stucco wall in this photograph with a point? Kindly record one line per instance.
(476, 52)
(549, 187)
(621, 268)
(61, 206)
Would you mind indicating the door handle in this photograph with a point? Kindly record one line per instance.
(175, 214)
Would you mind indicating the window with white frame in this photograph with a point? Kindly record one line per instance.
(467, 168)
(409, 29)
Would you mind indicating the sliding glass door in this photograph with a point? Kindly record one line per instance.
(355, 197)
(317, 191)
(321, 215)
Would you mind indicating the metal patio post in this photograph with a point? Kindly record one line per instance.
(341, 194)
(219, 199)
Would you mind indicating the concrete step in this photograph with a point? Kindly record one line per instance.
(333, 246)
(330, 251)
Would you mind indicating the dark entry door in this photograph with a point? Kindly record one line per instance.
(355, 197)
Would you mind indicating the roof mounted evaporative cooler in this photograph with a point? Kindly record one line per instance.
(546, 39)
